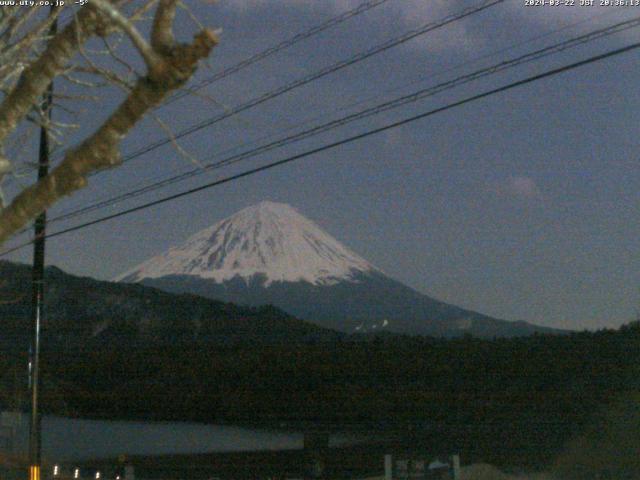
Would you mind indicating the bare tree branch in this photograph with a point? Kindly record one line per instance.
(149, 55)
(162, 30)
(176, 65)
(112, 51)
(175, 143)
(30, 59)
(37, 76)
(139, 14)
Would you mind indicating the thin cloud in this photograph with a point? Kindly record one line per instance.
(410, 13)
(519, 187)
(523, 187)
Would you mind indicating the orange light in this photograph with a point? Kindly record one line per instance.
(34, 472)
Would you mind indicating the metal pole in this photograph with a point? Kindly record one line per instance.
(35, 433)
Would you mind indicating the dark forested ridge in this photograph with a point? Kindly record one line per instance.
(476, 396)
(366, 303)
(83, 311)
(510, 400)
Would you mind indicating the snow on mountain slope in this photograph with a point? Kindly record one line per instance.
(272, 239)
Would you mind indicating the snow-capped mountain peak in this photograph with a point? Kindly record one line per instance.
(269, 239)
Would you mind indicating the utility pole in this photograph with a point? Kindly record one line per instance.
(35, 431)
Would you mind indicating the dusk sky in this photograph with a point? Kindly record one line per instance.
(524, 205)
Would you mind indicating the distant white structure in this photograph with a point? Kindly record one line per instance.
(416, 468)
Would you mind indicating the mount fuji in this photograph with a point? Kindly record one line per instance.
(271, 254)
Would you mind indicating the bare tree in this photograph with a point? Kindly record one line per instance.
(31, 57)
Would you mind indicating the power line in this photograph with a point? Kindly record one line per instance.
(429, 27)
(391, 43)
(411, 34)
(362, 8)
(377, 109)
(143, 186)
(246, 173)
